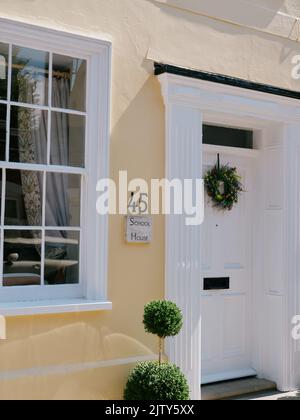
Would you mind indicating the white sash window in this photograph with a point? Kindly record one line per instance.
(54, 97)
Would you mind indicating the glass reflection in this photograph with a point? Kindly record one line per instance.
(30, 71)
(67, 139)
(63, 200)
(23, 199)
(22, 258)
(28, 135)
(3, 70)
(3, 111)
(69, 83)
(61, 258)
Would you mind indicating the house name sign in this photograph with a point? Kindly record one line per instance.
(138, 229)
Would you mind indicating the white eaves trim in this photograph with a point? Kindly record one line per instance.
(210, 97)
(52, 307)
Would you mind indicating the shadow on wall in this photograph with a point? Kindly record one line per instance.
(254, 17)
(138, 146)
(242, 12)
(106, 383)
(67, 343)
(66, 357)
(138, 136)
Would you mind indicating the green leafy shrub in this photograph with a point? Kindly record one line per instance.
(150, 381)
(163, 318)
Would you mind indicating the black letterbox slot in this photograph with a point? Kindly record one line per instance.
(217, 283)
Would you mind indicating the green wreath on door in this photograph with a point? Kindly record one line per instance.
(223, 185)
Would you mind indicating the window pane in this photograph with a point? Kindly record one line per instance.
(1, 176)
(63, 200)
(67, 139)
(23, 200)
(3, 70)
(61, 258)
(69, 83)
(30, 76)
(28, 135)
(22, 258)
(226, 136)
(2, 131)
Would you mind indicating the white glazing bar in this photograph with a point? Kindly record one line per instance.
(69, 111)
(49, 112)
(54, 228)
(23, 227)
(2, 224)
(83, 246)
(1, 256)
(8, 112)
(45, 172)
(64, 228)
(3, 193)
(41, 168)
(43, 231)
(9, 79)
(83, 203)
(43, 259)
(45, 108)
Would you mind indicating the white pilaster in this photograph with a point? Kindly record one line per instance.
(183, 243)
(291, 379)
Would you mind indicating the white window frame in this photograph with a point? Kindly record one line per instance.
(91, 293)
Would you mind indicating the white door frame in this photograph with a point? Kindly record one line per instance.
(188, 103)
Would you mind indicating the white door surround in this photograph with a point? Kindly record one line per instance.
(276, 271)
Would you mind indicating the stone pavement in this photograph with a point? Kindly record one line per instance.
(271, 396)
(236, 389)
(248, 389)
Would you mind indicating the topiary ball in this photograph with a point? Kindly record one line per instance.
(163, 318)
(150, 381)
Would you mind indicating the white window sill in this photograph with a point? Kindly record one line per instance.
(52, 307)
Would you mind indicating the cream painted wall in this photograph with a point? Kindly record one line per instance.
(33, 359)
(278, 17)
(291, 7)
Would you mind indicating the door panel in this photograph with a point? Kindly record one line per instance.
(210, 344)
(235, 313)
(227, 252)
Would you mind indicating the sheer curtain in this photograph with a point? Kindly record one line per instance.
(32, 147)
(32, 137)
(57, 210)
